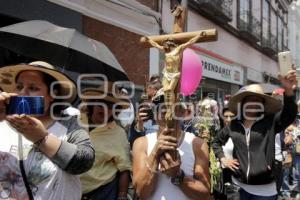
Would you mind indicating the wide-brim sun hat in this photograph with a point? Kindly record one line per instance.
(9, 73)
(106, 92)
(271, 105)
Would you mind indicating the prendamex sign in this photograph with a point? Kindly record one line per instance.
(221, 71)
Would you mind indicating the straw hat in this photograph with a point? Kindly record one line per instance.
(106, 92)
(8, 76)
(271, 104)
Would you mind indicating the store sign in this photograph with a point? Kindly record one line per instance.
(221, 71)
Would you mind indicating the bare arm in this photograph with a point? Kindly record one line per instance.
(198, 187)
(190, 42)
(144, 180)
(123, 183)
(154, 44)
(289, 111)
(145, 167)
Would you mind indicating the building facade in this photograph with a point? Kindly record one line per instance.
(294, 31)
(251, 32)
(294, 37)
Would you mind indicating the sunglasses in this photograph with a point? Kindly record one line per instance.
(102, 102)
(229, 116)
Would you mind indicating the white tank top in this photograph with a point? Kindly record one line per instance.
(165, 190)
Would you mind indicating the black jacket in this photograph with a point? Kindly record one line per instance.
(261, 150)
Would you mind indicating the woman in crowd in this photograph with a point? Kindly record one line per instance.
(109, 176)
(229, 190)
(41, 156)
(260, 117)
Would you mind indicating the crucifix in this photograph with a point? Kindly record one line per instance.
(173, 45)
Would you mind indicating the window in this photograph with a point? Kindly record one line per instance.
(285, 36)
(266, 19)
(245, 5)
(285, 15)
(245, 10)
(280, 34)
(273, 23)
(285, 31)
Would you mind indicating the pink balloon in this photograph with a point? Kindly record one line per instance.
(191, 72)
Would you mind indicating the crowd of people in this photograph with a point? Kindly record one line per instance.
(244, 148)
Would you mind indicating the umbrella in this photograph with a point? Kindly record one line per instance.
(60, 46)
(269, 88)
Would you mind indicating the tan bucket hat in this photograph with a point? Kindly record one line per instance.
(271, 104)
(106, 92)
(8, 76)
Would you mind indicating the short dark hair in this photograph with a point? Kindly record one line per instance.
(109, 104)
(155, 85)
(154, 78)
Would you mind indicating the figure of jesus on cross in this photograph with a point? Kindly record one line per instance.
(173, 46)
(171, 73)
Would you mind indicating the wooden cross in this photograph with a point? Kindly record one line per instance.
(173, 46)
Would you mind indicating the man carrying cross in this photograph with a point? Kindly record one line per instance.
(157, 176)
(171, 163)
(156, 173)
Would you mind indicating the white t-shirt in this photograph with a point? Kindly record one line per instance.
(278, 149)
(228, 148)
(260, 190)
(46, 179)
(71, 111)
